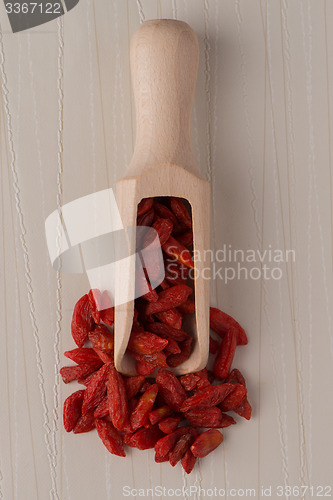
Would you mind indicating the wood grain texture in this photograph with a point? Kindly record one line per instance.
(262, 135)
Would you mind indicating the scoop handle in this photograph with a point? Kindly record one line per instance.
(164, 64)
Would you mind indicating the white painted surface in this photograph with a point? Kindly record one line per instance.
(262, 135)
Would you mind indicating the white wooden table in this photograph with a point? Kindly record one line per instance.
(263, 135)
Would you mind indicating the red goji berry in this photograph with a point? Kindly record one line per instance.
(234, 399)
(146, 343)
(96, 389)
(157, 415)
(169, 424)
(143, 439)
(221, 322)
(164, 445)
(82, 355)
(206, 443)
(179, 209)
(225, 354)
(70, 373)
(133, 385)
(107, 309)
(163, 227)
(188, 307)
(145, 368)
(86, 423)
(167, 299)
(211, 396)
(110, 437)
(244, 409)
(189, 381)
(171, 317)
(146, 219)
(117, 398)
(213, 345)
(172, 348)
(72, 410)
(188, 461)
(139, 415)
(102, 410)
(171, 389)
(102, 338)
(186, 239)
(175, 249)
(176, 359)
(157, 359)
(95, 297)
(164, 212)
(166, 331)
(144, 205)
(82, 321)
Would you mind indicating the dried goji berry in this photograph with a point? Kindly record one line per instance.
(146, 219)
(102, 409)
(146, 343)
(188, 461)
(189, 381)
(164, 445)
(69, 373)
(213, 345)
(144, 205)
(171, 389)
(235, 377)
(95, 297)
(157, 359)
(234, 399)
(179, 209)
(102, 338)
(164, 212)
(82, 355)
(72, 410)
(176, 359)
(107, 309)
(167, 299)
(169, 424)
(133, 385)
(106, 357)
(209, 417)
(96, 389)
(211, 396)
(82, 321)
(172, 347)
(206, 442)
(139, 415)
(186, 239)
(163, 227)
(221, 322)
(244, 409)
(157, 415)
(117, 398)
(225, 354)
(171, 317)
(143, 439)
(86, 423)
(180, 448)
(188, 307)
(110, 437)
(167, 331)
(145, 368)
(175, 249)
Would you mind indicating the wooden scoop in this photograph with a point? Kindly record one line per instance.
(164, 63)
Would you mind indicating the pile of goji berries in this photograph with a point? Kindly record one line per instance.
(165, 412)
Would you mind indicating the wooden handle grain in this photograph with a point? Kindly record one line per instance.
(164, 65)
